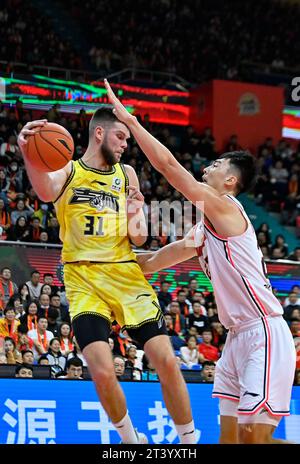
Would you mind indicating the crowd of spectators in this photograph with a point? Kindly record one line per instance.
(35, 329)
(198, 40)
(23, 217)
(28, 37)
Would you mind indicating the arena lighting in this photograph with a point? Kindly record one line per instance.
(291, 122)
(41, 92)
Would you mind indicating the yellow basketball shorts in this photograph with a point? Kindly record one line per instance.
(115, 291)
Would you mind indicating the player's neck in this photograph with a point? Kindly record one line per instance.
(94, 159)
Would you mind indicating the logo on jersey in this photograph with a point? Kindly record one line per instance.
(117, 184)
(98, 199)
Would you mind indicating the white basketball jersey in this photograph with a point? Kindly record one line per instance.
(237, 271)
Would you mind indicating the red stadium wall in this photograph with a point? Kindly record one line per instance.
(249, 110)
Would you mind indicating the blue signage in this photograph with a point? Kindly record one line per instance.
(68, 412)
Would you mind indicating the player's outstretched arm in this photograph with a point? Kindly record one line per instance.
(167, 256)
(163, 160)
(47, 185)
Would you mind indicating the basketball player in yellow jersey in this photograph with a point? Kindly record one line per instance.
(102, 278)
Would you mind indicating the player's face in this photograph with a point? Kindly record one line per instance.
(217, 174)
(114, 143)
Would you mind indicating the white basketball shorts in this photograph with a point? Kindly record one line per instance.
(257, 367)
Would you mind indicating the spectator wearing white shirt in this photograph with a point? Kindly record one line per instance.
(34, 285)
(41, 337)
(190, 354)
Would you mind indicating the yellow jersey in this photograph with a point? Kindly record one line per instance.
(91, 210)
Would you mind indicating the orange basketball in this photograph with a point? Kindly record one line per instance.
(50, 148)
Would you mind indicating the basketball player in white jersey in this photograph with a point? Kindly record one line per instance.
(255, 374)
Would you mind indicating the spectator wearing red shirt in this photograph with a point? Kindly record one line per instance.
(207, 351)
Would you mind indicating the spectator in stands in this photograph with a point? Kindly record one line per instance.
(295, 327)
(24, 371)
(46, 289)
(64, 315)
(13, 356)
(164, 297)
(190, 354)
(35, 230)
(119, 365)
(53, 231)
(56, 359)
(178, 320)
(22, 210)
(295, 256)
(149, 373)
(9, 324)
(280, 247)
(233, 144)
(48, 279)
(44, 304)
(44, 215)
(43, 360)
(8, 288)
(265, 228)
(292, 300)
(132, 360)
(19, 232)
(111, 344)
(27, 357)
(41, 337)
(29, 319)
(53, 325)
(208, 372)
(34, 285)
(23, 341)
(15, 302)
(3, 358)
(197, 318)
(207, 145)
(218, 331)
(65, 336)
(76, 353)
(5, 220)
(74, 369)
(184, 303)
(4, 186)
(192, 288)
(207, 351)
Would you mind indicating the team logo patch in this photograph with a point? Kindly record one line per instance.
(98, 199)
(117, 184)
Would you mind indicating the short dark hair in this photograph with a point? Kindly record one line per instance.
(103, 116)
(48, 274)
(208, 363)
(244, 162)
(26, 351)
(74, 362)
(43, 356)
(23, 366)
(5, 268)
(35, 272)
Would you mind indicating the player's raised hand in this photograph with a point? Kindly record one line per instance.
(135, 199)
(119, 110)
(29, 129)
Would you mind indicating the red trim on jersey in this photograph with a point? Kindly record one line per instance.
(229, 254)
(214, 232)
(260, 304)
(216, 395)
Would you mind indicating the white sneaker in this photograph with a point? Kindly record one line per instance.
(142, 438)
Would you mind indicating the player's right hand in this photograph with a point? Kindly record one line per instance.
(29, 129)
(118, 109)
